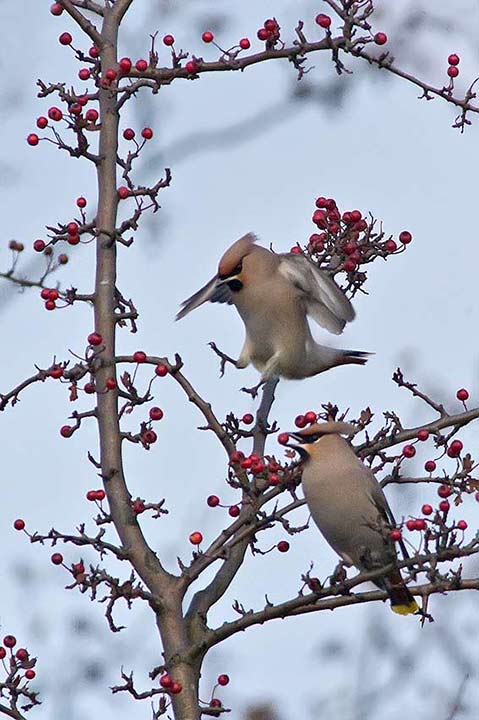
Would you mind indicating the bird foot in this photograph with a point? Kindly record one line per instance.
(253, 391)
(223, 358)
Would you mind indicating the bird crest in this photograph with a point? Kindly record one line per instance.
(235, 254)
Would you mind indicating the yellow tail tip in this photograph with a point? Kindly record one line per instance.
(408, 609)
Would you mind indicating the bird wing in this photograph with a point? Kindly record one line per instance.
(325, 301)
(212, 292)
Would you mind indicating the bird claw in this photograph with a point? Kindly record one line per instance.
(223, 358)
(253, 391)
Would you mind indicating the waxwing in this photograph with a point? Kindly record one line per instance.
(274, 294)
(349, 506)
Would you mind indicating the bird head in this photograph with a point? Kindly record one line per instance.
(307, 440)
(230, 268)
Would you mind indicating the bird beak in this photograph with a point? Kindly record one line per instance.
(300, 449)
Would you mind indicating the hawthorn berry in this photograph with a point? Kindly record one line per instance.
(444, 491)
(30, 674)
(73, 239)
(3, 652)
(168, 40)
(244, 43)
(349, 265)
(234, 511)
(66, 431)
(56, 9)
(323, 20)
(75, 109)
(123, 192)
(19, 524)
(444, 506)
(56, 372)
(462, 394)
(191, 67)
(33, 139)
(22, 654)
(57, 558)
(273, 479)
(65, 38)
(430, 466)
(138, 506)
(45, 294)
(161, 370)
(215, 703)
(454, 449)
(141, 65)
(405, 237)
(176, 688)
(420, 524)
(50, 305)
(207, 36)
(10, 641)
(411, 524)
(84, 74)
(247, 418)
(283, 438)
(128, 134)
(283, 546)
(100, 494)
(390, 246)
(95, 338)
(125, 65)
(150, 437)
(310, 417)
(422, 434)
(147, 133)
(223, 680)
(409, 451)
(94, 52)
(91, 495)
(63, 259)
(263, 34)
(156, 413)
(212, 501)
(91, 115)
(452, 71)
(42, 122)
(453, 59)
(380, 38)
(426, 509)
(300, 421)
(139, 356)
(166, 681)
(236, 457)
(246, 463)
(462, 525)
(196, 538)
(395, 535)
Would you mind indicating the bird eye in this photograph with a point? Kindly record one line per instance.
(238, 269)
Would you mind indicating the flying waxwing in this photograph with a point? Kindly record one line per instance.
(349, 506)
(274, 294)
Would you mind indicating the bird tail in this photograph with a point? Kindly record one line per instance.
(353, 357)
(402, 602)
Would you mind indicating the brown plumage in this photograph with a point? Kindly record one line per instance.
(274, 294)
(349, 506)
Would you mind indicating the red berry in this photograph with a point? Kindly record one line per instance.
(30, 674)
(19, 524)
(129, 134)
(91, 495)
(139, 356)
(95, 338)
(73, 239)
(423, 434)
(310, 417)
(263, 34)
(82, 100)
(273, 479)
(100, 494)
(300, 421)
(56, 9)
(156, 413)
(65, 38)
(247, 418)
(3, 652)
(244, 43)
(405, 237)
(295, 250)
(110, 74)
(138, 506)
(462, 394)
(213, 501)
(396, 534)
(246, 463)
(150, 437)
(22, 654)
(426, 509)
(234, 511)
(390, 246)
(356, 215)
(33, 139)
(63, 259)
(257, 467)
(283, 438)
(161, 370)
(166, 681)
(84, 74)
(141, 65)
(147, 133)
(176, 688)
(91, 115)
(444, 506)
(271, 25)
(57, 558)
(409, 451)
(75, 109)
(196, 538)
(125, 65)
(454, 449)
(66, 431)
(453, 59)
(452, 71)
(380, 38)
(462, 525)
(444, 491)
(89, 388)
(283, 546)
(123, 192)
(207, 36)
(72, 228)
(56, 372)
(94, 52)
(350, 265)
(215, 703)
(53, 294)
(81, 202)
(50, 305)
(45, 294)
(430, 466)
(236, 457)
(9, 641)
(191, 67)
(42, 122)
(411, 524)
(168, 40)
(223, 680)
(420, 524)
(39, 245)
(323, 20)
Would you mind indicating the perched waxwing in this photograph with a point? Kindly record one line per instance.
(274, 294)
(349, 506)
